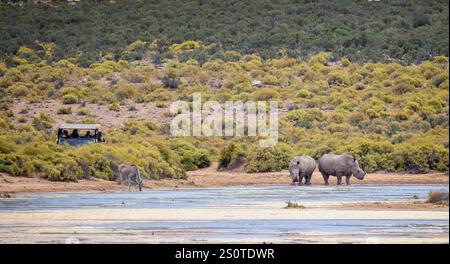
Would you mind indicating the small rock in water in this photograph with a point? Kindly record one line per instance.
(5, 195)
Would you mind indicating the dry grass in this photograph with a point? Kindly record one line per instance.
(438, 197)
(292, 205)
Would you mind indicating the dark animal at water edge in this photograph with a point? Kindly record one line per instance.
(302, 167)
(130, 174)
(340, 165)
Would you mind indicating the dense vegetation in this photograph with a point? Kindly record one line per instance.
(31, 150)
(369, 78)
(405, 31)
(390, 116)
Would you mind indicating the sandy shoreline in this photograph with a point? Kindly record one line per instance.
(391, 206)
(106, 226)
(208, 177)
(154, 217)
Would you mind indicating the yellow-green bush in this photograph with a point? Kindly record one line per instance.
(32, 153)
(43, 121)
(269, 159)
(70, 99)
(377, 111)
(232, 156)
(307, 118)
(65, 111)
(192, 158)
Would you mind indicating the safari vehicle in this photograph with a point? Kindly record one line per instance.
(79, 134)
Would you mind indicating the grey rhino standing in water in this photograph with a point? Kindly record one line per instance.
(302, 167)
(340, 165)
(130, 174)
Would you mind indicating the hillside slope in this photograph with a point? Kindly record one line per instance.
(401, 30)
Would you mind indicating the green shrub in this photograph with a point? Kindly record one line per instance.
(114, 107)
(438, 80)
(171, 82)
(269, 159)
(12, 164)
(305, 118)
(65, 111)
(18, 90)
(123, 92)
(340, 78)
(70, 99)
(5, 124)
(265, 95)
(160, 104)
(42, 122)
(3, 68)
(192, 158)
(419, 158)
(83, 112)
(232, 156)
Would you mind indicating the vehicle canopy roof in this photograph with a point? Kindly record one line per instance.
(81, 126)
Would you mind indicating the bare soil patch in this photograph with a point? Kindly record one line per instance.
(10, 185)
(211, 177)
(22, 109)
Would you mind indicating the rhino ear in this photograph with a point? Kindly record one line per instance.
(356, 163)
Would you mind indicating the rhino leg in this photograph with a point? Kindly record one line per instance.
(300, 178)
(308, 179)
(293, 181)
(339, 176)
(325, 178)
(347, 179)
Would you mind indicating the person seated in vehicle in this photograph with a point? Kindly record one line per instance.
(87, 135)
(75, 134)
(65, 134)
(100, 137)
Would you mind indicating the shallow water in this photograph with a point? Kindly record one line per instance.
(224, 197)
(270, 198)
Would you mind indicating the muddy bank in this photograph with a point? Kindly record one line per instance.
(208, 177)
(10, 185)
